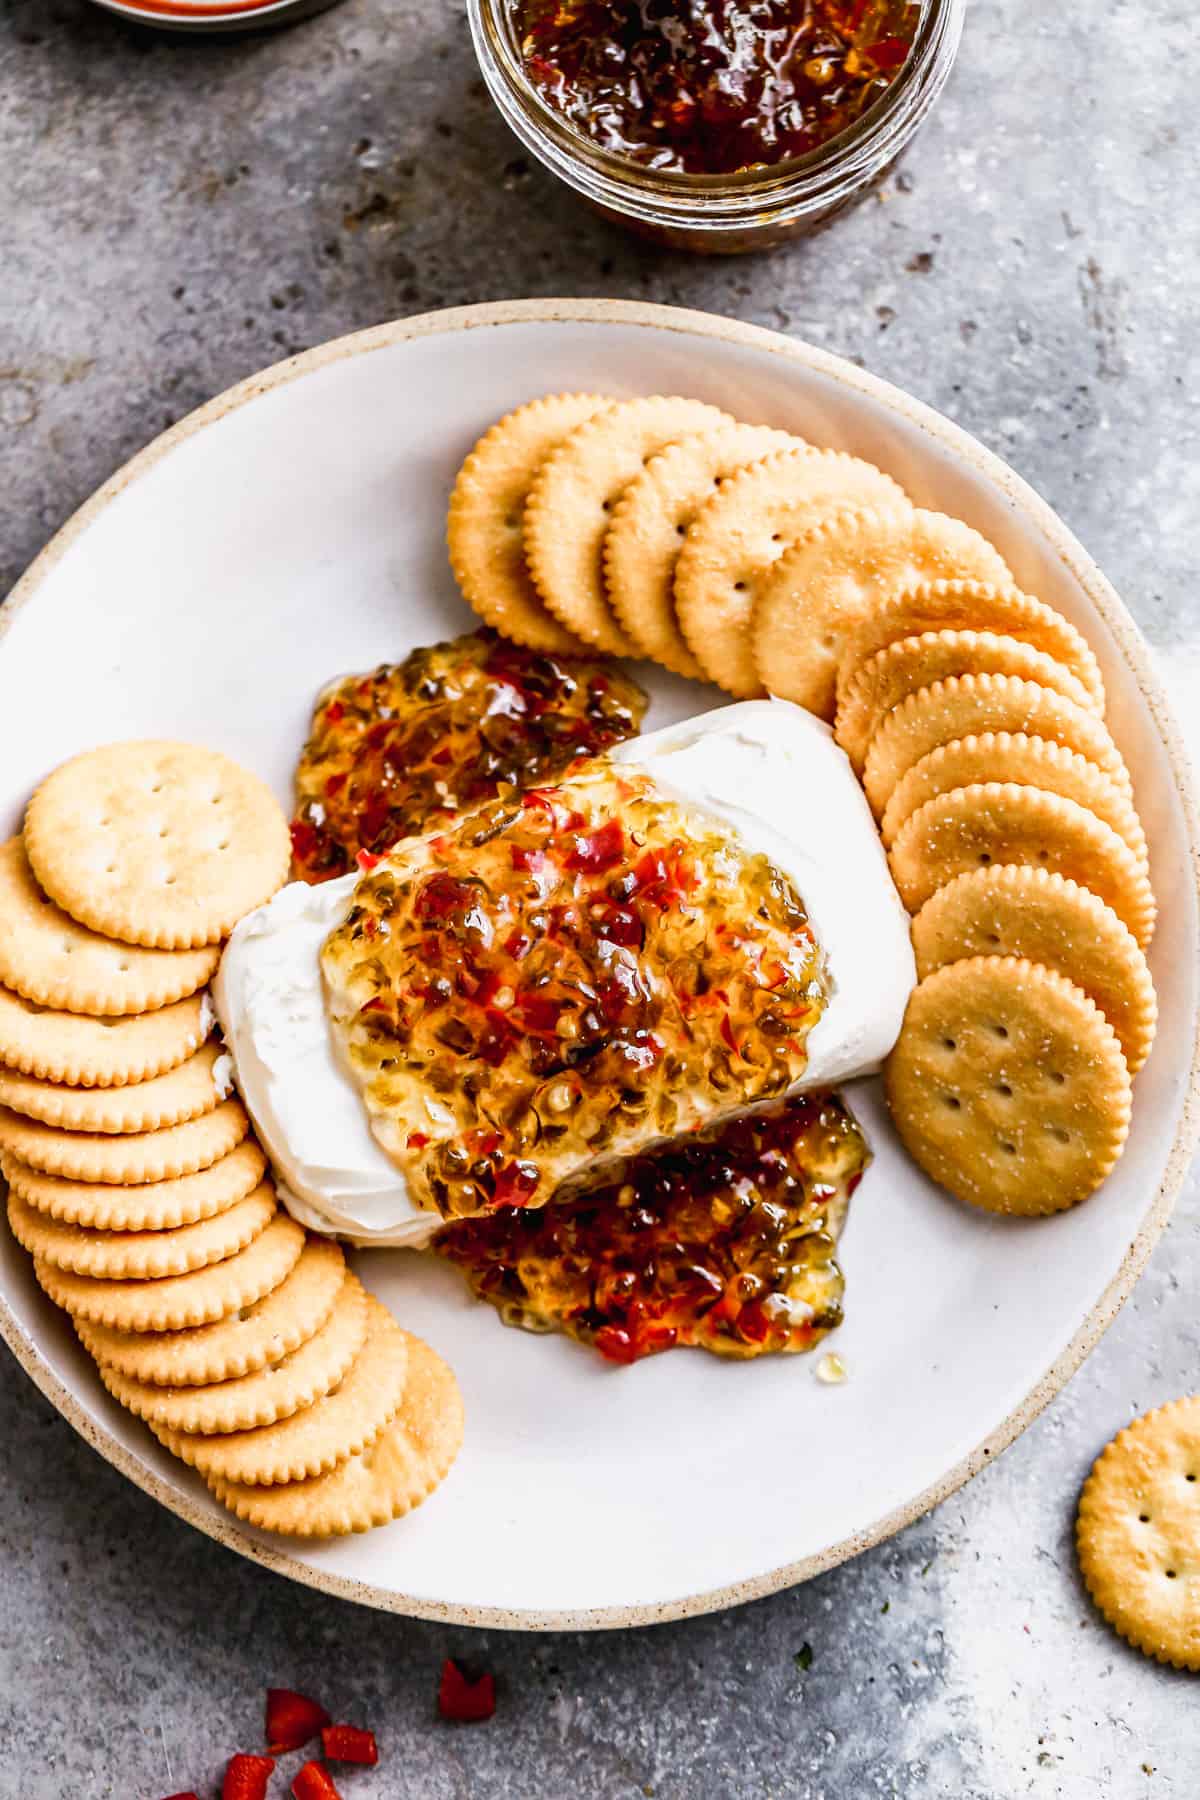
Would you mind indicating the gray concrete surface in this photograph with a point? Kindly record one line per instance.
(177, 213)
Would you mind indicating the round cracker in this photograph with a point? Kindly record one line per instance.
(250, 1401)
(741, 532)
(100, 1053)
(151, 1205)
(647, 526)
(1008, 1087)
(1040, 915)
(256, 1337)
(186, 1092)
(52, 960)
(484, 529)
(997, 822)
(837, 574)
(973, 606)
(323, 1435)
(967, 706)
(142, 1156)
(407, 1461)
(179, 1301)
(157, 843)
(573, 494)
(1029, 761)
(1138, 1533)
(911, 663)
(141, 1255)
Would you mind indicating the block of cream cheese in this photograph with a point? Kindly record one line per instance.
(766, 772)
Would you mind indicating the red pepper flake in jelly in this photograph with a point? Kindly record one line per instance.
(725, 1242)
(710, 87)
(449, 728)
(463, 1701)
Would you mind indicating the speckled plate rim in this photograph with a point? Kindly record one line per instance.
(951, 438)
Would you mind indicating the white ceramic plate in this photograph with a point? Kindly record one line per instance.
(292, 530)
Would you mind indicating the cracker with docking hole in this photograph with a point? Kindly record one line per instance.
(1008, 1087)
(125, 1161)
(572, 497)
(177, 1302)
(741, 532)
(485, 526)
(1029, 761)
(148, 1206)
(838, 573)
(969, 705)
(997, 822)
(647, 526)
(1015, 911)
(973, 606)
(406, 1462)
(52, 960)
(325, 1434)
(252, 1338)
(142, 1255)
(911, 663)
(186, 1092)
(1138, 1533)
(250, 1401)
(160, 844)
(99, 1053)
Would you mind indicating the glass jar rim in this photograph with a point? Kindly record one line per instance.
(875, 137)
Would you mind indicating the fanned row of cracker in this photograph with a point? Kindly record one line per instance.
(972, 712)
(244, 1342)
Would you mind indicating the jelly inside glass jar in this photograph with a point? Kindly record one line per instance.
(712, 87)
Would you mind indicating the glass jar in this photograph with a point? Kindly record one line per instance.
(725, 214)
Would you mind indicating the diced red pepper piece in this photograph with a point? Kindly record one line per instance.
(727, 1034)
(417, 1140)
(515, 1182)
(615, 1344)
(292, 1719)
(366, 860)
(595, 851)
(349, 1743)
(246, 1778)
(440, 895)
(538, 1013)
(314, 1782)
(334, 712)
(465, 1702)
